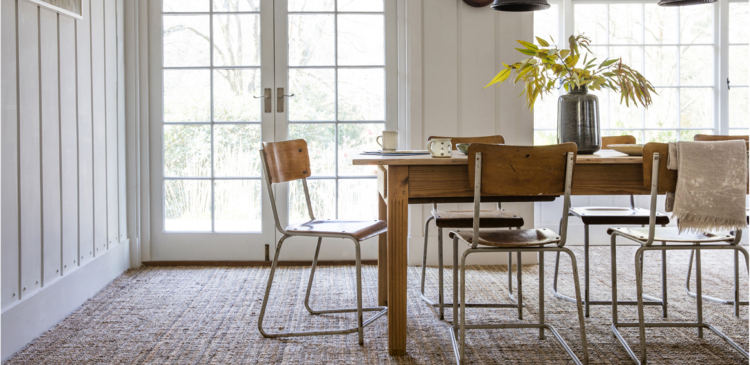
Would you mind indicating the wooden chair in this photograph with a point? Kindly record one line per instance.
(612, 216)
(289, 161)
(496, 218)
(661, 180)
(736, 303)
(516, 171)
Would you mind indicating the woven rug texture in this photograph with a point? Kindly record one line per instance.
(209, 315)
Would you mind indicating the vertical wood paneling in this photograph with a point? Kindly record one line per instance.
(85, 142)
(99, 125)
(121, 163)
(68, 142)
(110, 77)
(30, 154)
(440, 72)
(51, 200)
(477, 60)
(9, 158)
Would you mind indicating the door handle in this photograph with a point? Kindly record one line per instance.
(280, 99)
(267, 98)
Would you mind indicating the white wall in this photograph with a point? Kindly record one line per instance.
(63, 162)
(453, 50)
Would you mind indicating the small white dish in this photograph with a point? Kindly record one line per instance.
(628, 149)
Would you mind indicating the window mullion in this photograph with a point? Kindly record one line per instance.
(721, 47)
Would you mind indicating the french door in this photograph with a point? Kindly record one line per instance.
(233, 73)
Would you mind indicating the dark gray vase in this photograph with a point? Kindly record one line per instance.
(578, 120)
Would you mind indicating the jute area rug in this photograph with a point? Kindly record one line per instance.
(208, 315)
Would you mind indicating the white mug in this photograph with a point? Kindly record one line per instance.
(440, 147)
(389, 140)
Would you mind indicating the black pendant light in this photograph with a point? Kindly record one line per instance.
(684, 2)
(520, 5)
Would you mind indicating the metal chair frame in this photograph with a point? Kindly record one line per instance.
(458, 329)
(587, 302)
(736, 302)
(361, 324)
(440, 303)
(648, 246)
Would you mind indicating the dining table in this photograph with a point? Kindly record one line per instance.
(422, 179)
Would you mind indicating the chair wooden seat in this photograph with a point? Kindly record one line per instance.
(615, 215)
(491, 218)
(509, 238)
(669, 234)
(360, 230)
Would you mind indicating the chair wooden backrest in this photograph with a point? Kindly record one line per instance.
(286, 160)
(711, 137)
(282, 162)
(626, 139)
(481, 139)
(521, 170)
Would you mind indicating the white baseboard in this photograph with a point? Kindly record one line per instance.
(29, 318)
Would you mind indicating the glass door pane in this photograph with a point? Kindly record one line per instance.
(217, 59)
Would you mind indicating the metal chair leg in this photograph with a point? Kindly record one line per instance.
(664, 282)
(699, 291)
(579, 305)
(541, 294)
(441, 301)
(586, 299)
(312, 275)
(735, 302)
(519, 267)
(381, 311)
(639, 292)
(424, 254)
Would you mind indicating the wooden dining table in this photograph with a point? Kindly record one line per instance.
(421, 179)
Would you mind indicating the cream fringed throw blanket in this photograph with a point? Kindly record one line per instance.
(711, 185)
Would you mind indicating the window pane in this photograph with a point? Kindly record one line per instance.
(238, 206)
(697, 24)
(322, 197)
(661, 24)
(233, 95)
(361, 40)
(186, 40)
(187, 205)
(696, 108)
(360, 5)
(314, 94)
(543, 138)
(358, 199)
(688, 135)
(591, 20)
(663, 112)
(547, 24)
(738, 107)
(622, 116)
(739, 132)
(697, 66)
(311, 40)
(739, 18)
(236, 150)
(662, 136)
(187, 96)
(361, 94)
(661, 65)
(545, 112)
(185, 5)
(631, 56)
(321, 139)
(738, 73)
(626, 23)
(638, 134)
(311, 5)
(237, 40)
(236, 5)
(187, 150)
(353, 139)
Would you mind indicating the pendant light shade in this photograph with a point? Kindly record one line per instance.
(684, 2)
(520, 5)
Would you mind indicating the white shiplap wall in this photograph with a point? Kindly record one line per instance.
(63, 161)
(452, 51)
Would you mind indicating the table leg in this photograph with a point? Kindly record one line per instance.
(382, 255)
(398, 222)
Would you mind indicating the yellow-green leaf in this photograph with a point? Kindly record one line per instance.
(542, 42)
(499, 78)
